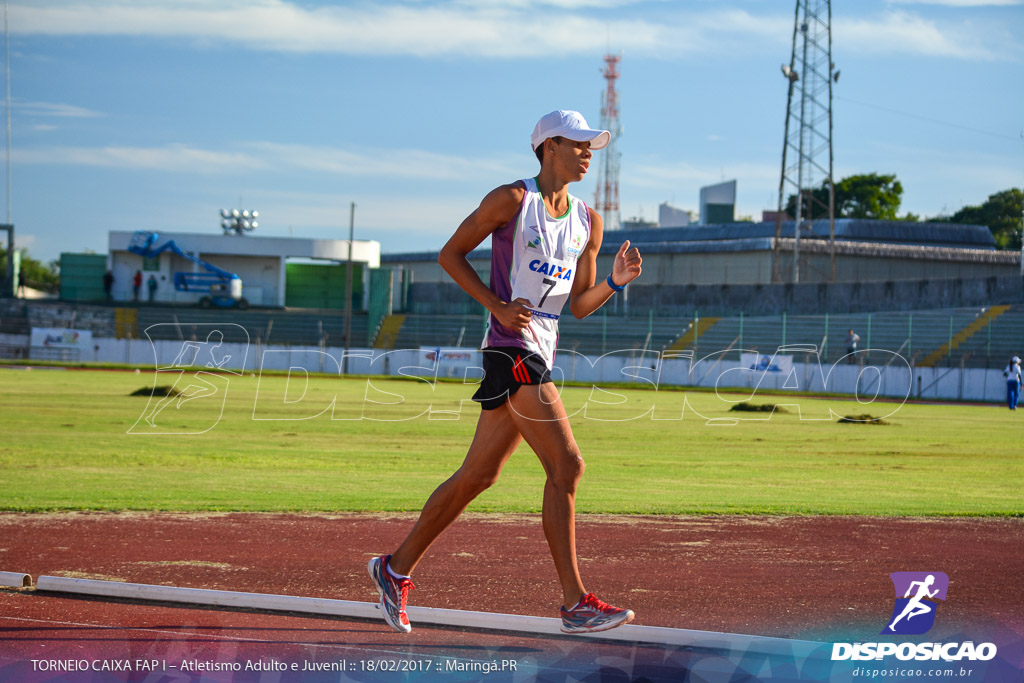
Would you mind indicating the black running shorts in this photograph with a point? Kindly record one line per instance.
(506, 368)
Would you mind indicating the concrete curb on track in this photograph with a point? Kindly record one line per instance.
(15, 580)
(528, 625)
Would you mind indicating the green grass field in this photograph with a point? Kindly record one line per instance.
(76, 440)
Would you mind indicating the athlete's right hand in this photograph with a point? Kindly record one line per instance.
(515, 315)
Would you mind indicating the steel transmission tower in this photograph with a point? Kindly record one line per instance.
(606, 198)
(807, 144)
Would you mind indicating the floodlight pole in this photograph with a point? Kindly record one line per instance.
(805, 135)
(802, 152)
(776, 248)
(348, 286)
(833, 75)
(10, 288)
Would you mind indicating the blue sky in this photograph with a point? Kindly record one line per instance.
(154, 114)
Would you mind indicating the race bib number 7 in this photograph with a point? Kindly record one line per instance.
(545, 283)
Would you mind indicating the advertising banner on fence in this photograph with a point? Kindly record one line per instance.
(450, 362)
(60, 338)
(762, 363)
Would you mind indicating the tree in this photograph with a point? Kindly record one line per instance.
(37, 275)
(869, 195)
(814, 204)
(1001, 213)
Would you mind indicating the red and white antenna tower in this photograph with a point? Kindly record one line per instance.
(606, 198)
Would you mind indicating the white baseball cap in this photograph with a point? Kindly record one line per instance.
(571, 125)
(1015, 359)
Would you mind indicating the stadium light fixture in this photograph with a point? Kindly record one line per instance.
(789, 73)
(235, 222)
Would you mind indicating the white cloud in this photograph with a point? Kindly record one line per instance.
(174, 158)
(898, 32)
(363, 162)
(400, 163)
(54, 109)
(671, 176)
(501, 30)
(539, 5)
(959, 3)
(368, 29)
(498, 30)
(523, 28)
(399, 221)
(405, 223)
(22, 241)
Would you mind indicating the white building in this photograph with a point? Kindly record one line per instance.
(671, 217)
(258, 261)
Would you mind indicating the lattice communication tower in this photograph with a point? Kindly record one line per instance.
(606, 198)
(807, 144)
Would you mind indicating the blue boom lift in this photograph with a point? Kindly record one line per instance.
(220, 288)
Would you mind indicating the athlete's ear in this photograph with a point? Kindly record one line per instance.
(555, 140)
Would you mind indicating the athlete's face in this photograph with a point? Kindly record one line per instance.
(572, 157)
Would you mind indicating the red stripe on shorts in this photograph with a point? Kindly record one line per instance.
(519, 371)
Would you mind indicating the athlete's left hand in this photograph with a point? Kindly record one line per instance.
(626, 267)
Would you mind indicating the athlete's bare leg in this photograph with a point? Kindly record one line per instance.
(495, 440)
(910, 611)
(540, 417)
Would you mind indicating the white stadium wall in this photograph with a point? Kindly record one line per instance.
(889, 381)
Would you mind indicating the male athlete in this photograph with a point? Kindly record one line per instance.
(544, 251)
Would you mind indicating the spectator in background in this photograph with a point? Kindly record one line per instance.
(851, 345)
(21, 282)
(108, 283)
(1013, 378)
(152, 284)
(137, 283)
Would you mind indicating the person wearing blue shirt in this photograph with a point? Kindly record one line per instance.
(1013, 378)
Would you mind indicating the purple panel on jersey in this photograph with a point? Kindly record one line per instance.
(502, 245)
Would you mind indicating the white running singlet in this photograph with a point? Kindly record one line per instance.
(534, 257)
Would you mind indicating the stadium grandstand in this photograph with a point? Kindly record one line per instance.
(939, 294)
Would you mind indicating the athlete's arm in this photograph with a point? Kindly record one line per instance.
(910, 588)
(587, 296)
(496, 210)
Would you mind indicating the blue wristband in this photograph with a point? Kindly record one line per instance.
(611, 283)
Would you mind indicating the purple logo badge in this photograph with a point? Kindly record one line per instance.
(914, 611)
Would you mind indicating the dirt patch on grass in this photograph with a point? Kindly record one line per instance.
(864, 419)
(164, 390)
(745, 407)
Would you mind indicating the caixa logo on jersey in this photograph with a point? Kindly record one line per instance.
(914, 613)
(551, 269)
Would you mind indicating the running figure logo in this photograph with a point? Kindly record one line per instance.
(914, 613)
